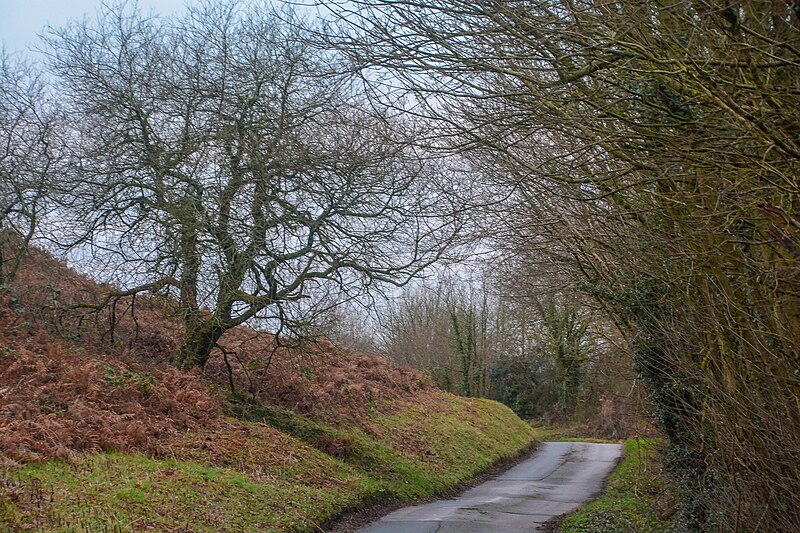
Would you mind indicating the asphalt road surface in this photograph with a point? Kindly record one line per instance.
(557, 479)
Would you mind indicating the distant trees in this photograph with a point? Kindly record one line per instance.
(535, 353)
(545, 377)
(415, 331)
(566, 338)
(29, 155)
(469, 334)
(450, 328)
(225, 161)
(650, 152)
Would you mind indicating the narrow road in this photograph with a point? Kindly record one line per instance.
(557, 479)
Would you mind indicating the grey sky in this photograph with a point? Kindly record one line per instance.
(22, 20)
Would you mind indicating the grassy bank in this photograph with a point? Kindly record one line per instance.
(638, 496)
(248, 476)
(99, 433)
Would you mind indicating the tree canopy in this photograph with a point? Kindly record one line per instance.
(223, 159)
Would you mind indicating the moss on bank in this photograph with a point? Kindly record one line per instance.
(268, 481)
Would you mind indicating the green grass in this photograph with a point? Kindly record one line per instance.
(422, 451)
(638, 497)
(412, 453)
(419, 450)
(124, 492)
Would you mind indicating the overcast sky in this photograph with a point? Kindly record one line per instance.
(22, 20)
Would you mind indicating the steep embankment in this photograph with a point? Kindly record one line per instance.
(98, 432)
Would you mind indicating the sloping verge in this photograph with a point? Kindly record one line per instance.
(247, 476)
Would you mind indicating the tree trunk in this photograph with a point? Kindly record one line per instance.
(201, 337)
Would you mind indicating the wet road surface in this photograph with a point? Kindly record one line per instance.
(557, 479)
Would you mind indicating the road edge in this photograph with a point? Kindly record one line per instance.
(553, 525)
(351, 520)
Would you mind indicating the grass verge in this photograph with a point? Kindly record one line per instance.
(638, 496)
(250, 477)
(417, 451)
(121, 492)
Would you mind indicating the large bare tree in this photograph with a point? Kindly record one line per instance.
(225, 161)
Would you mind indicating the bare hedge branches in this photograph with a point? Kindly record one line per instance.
(653, 153)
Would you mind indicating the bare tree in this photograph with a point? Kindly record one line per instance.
(29, 153)
(226, 161)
